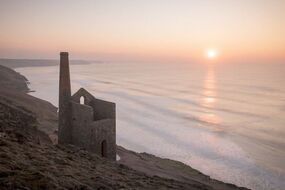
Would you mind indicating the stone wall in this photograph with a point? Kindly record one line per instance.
(103, 109)
(90, 134)
(104, 130)
(82, 116)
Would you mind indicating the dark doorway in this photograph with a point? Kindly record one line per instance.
(104, 148)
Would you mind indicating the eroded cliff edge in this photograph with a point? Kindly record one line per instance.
(30, 160)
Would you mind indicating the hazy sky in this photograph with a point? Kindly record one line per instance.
(143, 29)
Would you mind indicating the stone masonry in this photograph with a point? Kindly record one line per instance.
(84, 120)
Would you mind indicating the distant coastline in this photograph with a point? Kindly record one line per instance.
(16, 63)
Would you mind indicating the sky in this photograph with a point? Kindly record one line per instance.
(163, 30)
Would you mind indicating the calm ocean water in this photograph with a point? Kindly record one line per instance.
(227, 121)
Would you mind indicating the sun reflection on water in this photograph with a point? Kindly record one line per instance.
(209, 98)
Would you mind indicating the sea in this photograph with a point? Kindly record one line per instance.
(225, 120)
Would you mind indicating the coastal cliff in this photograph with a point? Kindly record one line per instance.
(30, 158)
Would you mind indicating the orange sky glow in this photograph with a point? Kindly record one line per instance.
(164, 30)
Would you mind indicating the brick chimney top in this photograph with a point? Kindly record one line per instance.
(64, 53)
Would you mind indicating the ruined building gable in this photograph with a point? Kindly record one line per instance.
(84, 120)
(82, 93)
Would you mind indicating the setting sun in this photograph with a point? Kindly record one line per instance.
(211, 53)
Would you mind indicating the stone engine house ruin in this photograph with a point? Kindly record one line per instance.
(84, 120)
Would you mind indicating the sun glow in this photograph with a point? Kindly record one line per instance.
(211, 53)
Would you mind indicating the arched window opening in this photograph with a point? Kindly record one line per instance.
(82, 100)
(104, 148)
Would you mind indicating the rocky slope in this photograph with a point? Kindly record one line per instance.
(30, 160)
(13, 88)
(9, 79)
(166, 168)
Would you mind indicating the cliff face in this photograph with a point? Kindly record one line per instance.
(13, 89)
(44, 112)
(10, 79)
(30, 160)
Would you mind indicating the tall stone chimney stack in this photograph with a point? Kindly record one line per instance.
(64, 114)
